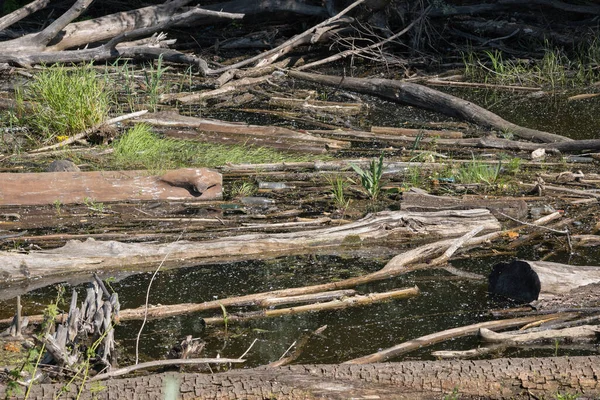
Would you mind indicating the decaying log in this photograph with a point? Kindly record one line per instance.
(532, 280)
(77, 257)
(437, 337)
(505, 378)
(242, 133)
(584, 332)
(516, 208)
(422, 96)
(388, 130)
(106, 186)
(318, 106)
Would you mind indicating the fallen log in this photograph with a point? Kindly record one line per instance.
(585, 332)
(422, 96)
(108, 186)
(437, 337)
(516, 208)
(532, 280)
(80, 257)
(272, 136)
(504, 378)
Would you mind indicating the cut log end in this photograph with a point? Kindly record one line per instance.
(515, 280)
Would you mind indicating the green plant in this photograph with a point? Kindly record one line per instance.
(225, 317)
(65, 101)
(242, 189)
(57, 207)
(140, 147)
(153, 78)
(413, 177)
(567, 396)
(95, 206)
(339, 184)
(476, 171)
(454, 395)
(371, 178)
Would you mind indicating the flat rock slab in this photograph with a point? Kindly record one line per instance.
(109, 186)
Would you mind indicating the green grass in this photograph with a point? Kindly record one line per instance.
(554, 70)
(140, 147)
(476, 171)
(338, 185)
(65, 101)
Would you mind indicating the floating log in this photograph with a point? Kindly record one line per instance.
(584, 332)
(108, 186)
(318, 106)
(531, 280)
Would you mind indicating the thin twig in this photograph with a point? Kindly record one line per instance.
(137, 340)
(251, 345)
(87, 131)
(564, 232)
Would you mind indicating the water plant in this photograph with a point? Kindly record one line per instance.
(370, 179)
(153, 79)
(338, 185)
(65, 101)
(476, 171)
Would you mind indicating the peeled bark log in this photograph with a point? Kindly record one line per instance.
(506, 378)
(422, 96)
(531, 280)
(77, 257)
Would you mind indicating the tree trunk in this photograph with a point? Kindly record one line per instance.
(492, 379)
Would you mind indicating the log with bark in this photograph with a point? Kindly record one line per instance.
(505, 378)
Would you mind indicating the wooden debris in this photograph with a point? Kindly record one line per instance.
(107, 186)
(499, 207)
(578, 332)
(388, 130)
(230, 132)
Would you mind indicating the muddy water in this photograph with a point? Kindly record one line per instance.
(445, 302)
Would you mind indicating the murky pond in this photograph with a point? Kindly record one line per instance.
(446, 301)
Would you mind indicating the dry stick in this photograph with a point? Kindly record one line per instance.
(45, 36)
(346, 53)
(283, 360)
(87, 131)
(437, 337)
(546, 218)
(160, 363)
(457, 244)
(289, 42)
(137, 340)
(22, 12)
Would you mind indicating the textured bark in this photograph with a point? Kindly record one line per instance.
(492, 379)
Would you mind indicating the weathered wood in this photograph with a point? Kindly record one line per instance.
(531, 280)
(437, 337)
(388, 130)
(278, 137)
(78, 257)
(318, 106)
(584, 332)
(422, 96)
(516, 208)
(504, 378)
(107, 186)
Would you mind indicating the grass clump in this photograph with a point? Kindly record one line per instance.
(65, 101)
(338, 185)
(555, 69)
(477, 171)
(140, 147)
